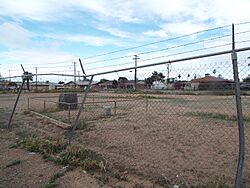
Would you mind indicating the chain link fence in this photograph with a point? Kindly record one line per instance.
(174, 123)
(179, 126)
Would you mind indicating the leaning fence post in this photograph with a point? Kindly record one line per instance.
(80, 110)
(239, 115)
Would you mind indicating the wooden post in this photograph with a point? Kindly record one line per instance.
(44, 105)
(115, 107)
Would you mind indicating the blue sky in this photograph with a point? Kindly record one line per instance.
(50, 34)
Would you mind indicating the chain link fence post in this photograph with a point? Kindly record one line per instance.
(239, 115)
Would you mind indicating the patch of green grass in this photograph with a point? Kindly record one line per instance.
(82, 125)
(35, 144)
(216, 116)
(47, 157)
(117, 175)
(52, 181)
(216, 182)
(13, 163)
(76, 156)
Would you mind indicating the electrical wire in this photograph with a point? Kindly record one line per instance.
(159, 57)
(157, 42)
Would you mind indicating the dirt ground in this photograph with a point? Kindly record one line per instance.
(160, 138)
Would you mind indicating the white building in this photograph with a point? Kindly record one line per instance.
(158, 85)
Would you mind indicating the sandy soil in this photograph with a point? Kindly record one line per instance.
(150, 140)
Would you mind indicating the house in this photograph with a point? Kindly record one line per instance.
(70, 84)
(79, 84)
(120, 84)
(130, 84)
(211, 83)
(41, 86)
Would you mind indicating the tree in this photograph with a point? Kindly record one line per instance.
(103, 80)
(214, 71)
(247, 79)
(12, 84)
(121, 82)
(115, 84)
(154, 77)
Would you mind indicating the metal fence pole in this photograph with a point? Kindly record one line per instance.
(80, 110)
(239, 116)
(13, 110)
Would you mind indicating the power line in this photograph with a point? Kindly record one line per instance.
(152, 43)
(159, 57)
(159, 50)
(164, 49)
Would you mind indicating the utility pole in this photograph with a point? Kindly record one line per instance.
(78, 73)
(36, 78)
(168, 73)
(75, 73)
(9, 76)
(0, 72)
(135, 58)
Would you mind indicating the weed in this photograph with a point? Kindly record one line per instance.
(82, 125)
(26, 112)
(216, 116)
(51, 183)
(75, 156)
(47, 157)
(13, 163)
(216, 182)
(120, 177)
(35, 144)
(89, 165)
(162, 181)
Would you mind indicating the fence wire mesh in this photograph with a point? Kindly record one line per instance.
(180, 125)
(175, 124)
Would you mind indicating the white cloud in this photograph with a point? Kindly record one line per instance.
(85, 39)
(115, 32)
(14, 36)
(183, 28)
(34, 57)
(218, 11)
(160, 33)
